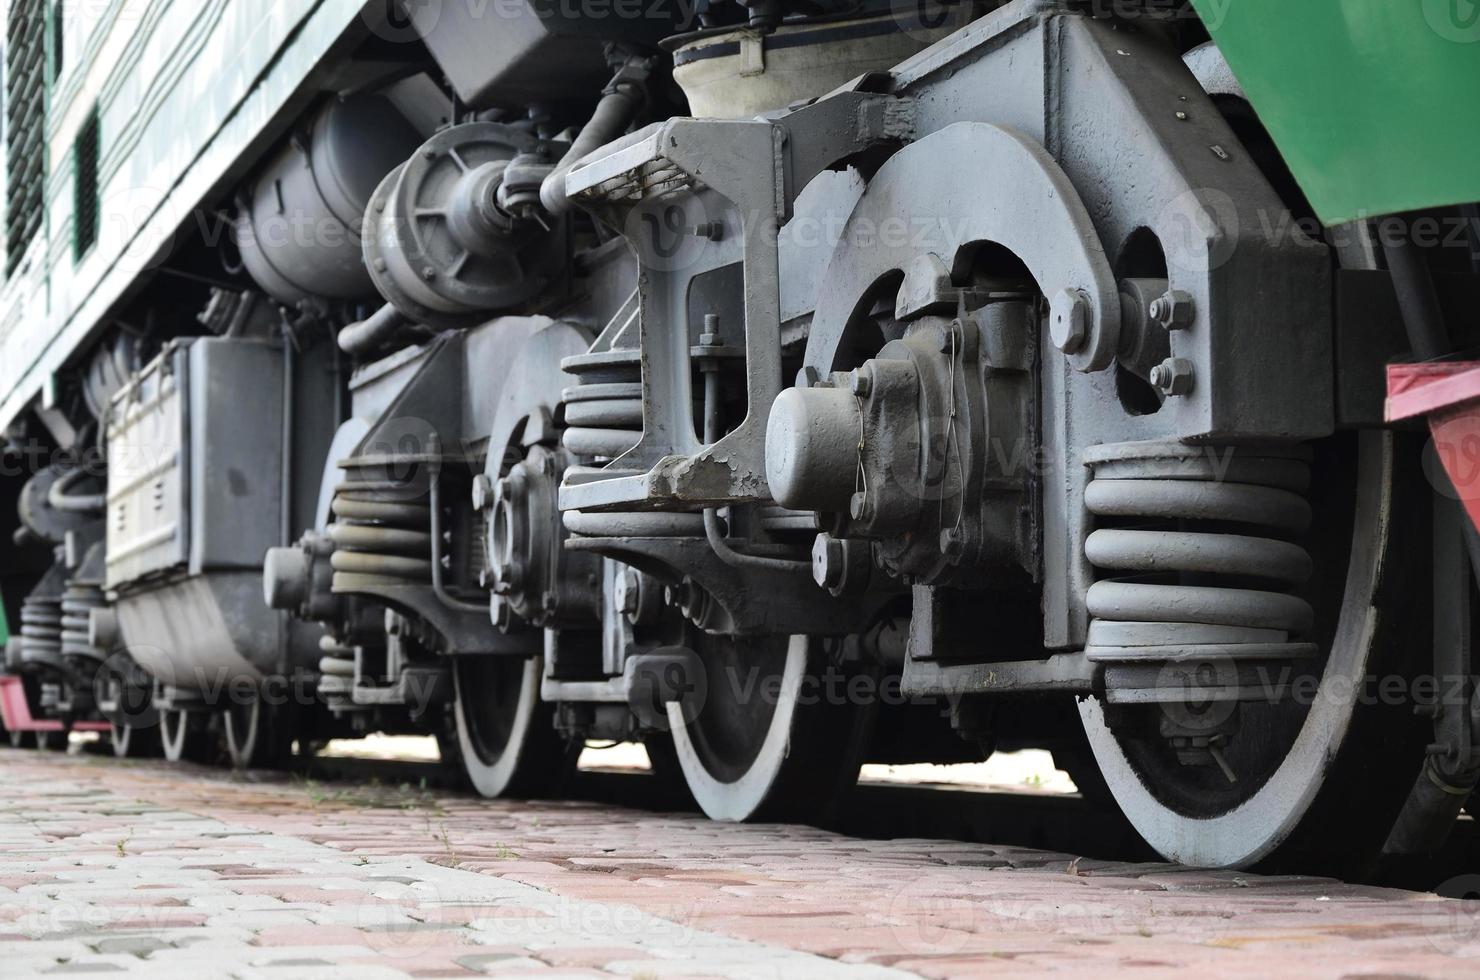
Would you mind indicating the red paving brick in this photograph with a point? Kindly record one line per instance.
(143, 867)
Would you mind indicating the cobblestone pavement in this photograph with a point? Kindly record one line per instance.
(108, 867)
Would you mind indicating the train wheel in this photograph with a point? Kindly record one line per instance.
(1300, 763)
(125, 697)
(186, 736)
(134, 742)
(506, 736)
(258, 736)
(774, 738)
(52, 741)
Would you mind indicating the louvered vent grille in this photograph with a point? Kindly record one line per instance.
(25, 108)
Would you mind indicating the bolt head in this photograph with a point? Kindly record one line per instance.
(1068, 320)
(860, 508)
(861, 382)
(482, 492)
(952, 543)
(950, 338)
(827, 560)
(500, 613)
(625, 592)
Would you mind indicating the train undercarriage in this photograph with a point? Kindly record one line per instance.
(809, 389)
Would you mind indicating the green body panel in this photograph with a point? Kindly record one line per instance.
(1375, 104)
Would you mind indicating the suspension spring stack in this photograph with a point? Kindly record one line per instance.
(337, 670)
(603, 413)
(1197, 554)
(382, 532)
(41, 631)
(78, 602)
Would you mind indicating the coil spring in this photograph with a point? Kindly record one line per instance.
(337, 675)
(78, 602)
(603, 416)
(380, 533)
(1200, 542)
(603, 413)
(41, 630)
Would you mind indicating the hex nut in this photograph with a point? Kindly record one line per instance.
(1173, 376)
(1068, 320)
(1175, 309)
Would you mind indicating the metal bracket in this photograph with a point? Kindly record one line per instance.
(1013, 194)
(756, 602)
(693, 196)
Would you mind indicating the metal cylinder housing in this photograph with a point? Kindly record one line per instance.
(298, 226)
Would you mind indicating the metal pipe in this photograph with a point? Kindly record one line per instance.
(1448, 777)
(82, 503)
(285, 481)
(739, 559)
(713, 430)
(373, 331)
(285, 486)
(1423, 321)
(1428, 817)
(1418, 300)
(614, 113)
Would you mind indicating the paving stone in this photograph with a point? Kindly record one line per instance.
(133, 945)
(161, 872)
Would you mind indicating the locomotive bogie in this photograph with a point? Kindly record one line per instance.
(791, 388)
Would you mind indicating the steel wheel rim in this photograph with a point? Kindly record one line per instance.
(242, 723)
(174, 733)
(492, 732)
(52, 741)
(723, 795)
(122, 737)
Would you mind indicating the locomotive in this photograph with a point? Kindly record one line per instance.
(781, 385)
